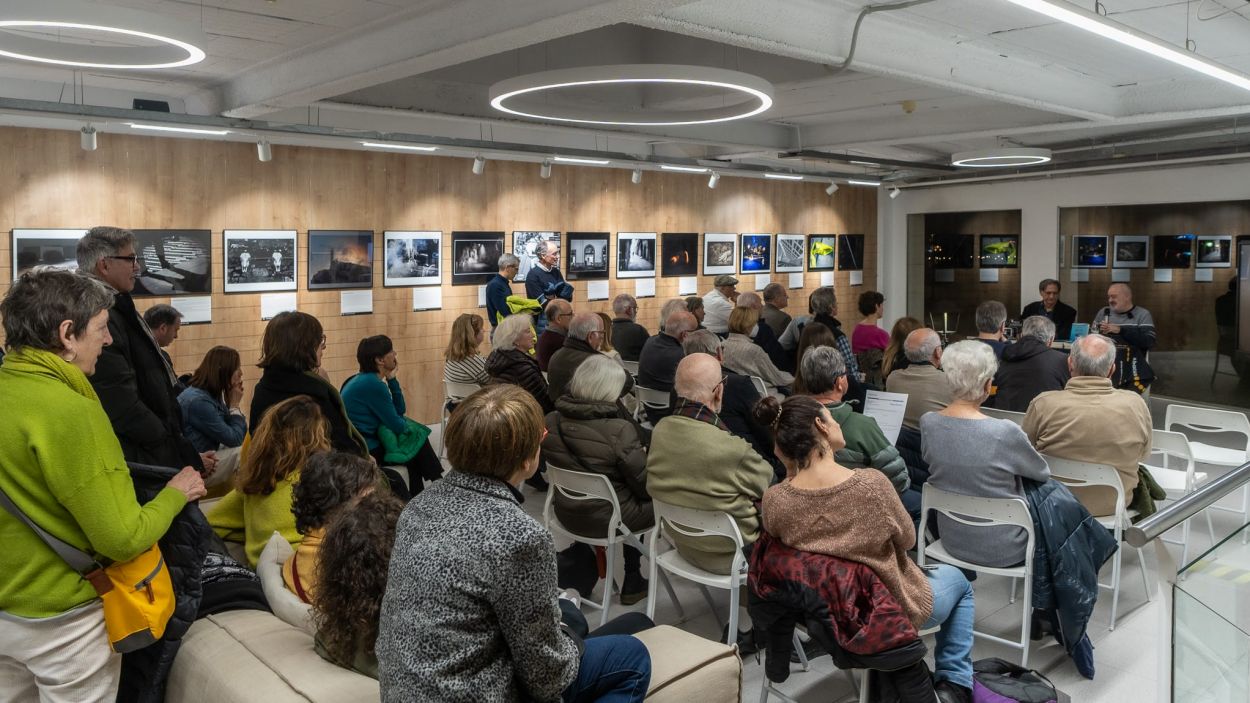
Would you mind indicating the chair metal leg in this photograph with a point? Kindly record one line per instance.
(1115, 585)
(652, 568)
(798, 647)
(1145, 580)
(733, 616)
(668, 586)
(707, 596)
(865, 693)
(764, 690)
(1026, 627)
(609, 569)
(1012, 600)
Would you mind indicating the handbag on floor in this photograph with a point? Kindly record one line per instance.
(995, 680)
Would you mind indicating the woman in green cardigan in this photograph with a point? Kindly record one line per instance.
(62, 466)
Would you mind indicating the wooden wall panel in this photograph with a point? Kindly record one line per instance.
(146, 182)
(967, 291)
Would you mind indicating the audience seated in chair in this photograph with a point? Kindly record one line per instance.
(462, 363)
(606, 346)
(511, 360)
(211, 418)
(471, 611)
(894, 357)
(776, 299)
(927, 391)
(1092, 421)
(329, 481)
(972, 454)
(824, 304)
(627, 335)
(558, 313)
(657, 365)
(589, 432)
(260, 504)
(855, 515)
(867, 335)
(992, 326)
(746, 357)
(585, 336)
(694, 306)
(1030, 367)
(764, 336)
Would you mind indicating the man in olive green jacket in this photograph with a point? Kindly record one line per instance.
(695, 462)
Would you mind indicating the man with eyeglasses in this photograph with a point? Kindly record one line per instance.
(559, 314)
(136, 385)
(584, 339)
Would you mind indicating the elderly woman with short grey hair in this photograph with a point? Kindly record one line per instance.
(589, 432)
(512, 359)
(973, 454)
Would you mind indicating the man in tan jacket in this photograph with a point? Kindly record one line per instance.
(1090, 420)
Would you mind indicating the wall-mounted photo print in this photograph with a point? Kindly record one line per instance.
(757, 253)
(791, 250)
(679, 254)
(635, 254)
(173, 262)
(475, 257)
(949, 251)
(1000, 251)
(53, 248)
(1089, 251)
(850, 252)
(524, 245)
(339, 258)
(720, 254)
(822, 252)
(1130, 252)
(587, 256)
(1215, 251)
(412, 258)
(259, 260)
(1174, 251)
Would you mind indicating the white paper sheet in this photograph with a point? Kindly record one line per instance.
(796, 280)
(1163, 275)
(826, 278)
(273, 303)
(989, 275)
(1121, 275)
(195, 310)
(644, 288)
(596, 290)
(1203, 275)
(762, 280)
(857, 278)
(888, 410)
(943, 275)
(356, 302)
(688, 285)
(1080, 275)
(427, 298)
(481, 296)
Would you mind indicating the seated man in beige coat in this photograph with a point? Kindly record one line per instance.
(695, 462)
(1090, 420)
(922, 380)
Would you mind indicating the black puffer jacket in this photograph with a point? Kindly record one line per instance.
(592, 436)
(1028, 369)
(520, 369)
(278, 383)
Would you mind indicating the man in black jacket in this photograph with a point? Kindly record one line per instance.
(134, 382)
(1030, 367)
(1049, 307)
(627, 335)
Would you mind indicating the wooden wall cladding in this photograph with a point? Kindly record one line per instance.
(156, 183)
(967, 291)
(1183, 310)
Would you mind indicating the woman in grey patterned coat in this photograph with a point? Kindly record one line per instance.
(471, 610)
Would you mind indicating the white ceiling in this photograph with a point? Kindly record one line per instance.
(926, 81)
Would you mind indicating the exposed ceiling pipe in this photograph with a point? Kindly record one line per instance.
(1138, 166)
(1160, 139)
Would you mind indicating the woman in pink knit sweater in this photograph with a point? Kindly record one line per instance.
(825, 508)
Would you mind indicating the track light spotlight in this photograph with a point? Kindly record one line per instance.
(833, 188)
(88, 138)
(636, 177)
(545, 169)
(264, 152)
(713, 180)
(479, 165)
(895, 192)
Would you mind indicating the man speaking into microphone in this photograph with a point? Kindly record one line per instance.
(1133, 330)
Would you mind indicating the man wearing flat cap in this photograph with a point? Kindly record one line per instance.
(718, 303)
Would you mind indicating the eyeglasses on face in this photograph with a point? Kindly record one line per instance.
(132, 259)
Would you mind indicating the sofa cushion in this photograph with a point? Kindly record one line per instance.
(686, 667)
(285, 604)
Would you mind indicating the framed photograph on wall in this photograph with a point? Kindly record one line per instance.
(586, 257)
(850, 252)
(1130, 252)
(475, 257)
(949, 251)
(259, 260)
(340, 258)
(635, 254)
(1215, 251)
(822, 250)
(174, 262)
(757, 253)
(523, 245)
(1174, 251)
(53, 248)
(791, 249)
(1089, 251)
(412, 258)
(679, 254)
(1000, 251)
(720, 254)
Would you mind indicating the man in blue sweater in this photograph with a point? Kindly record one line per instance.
(544, 281)
(498, 290)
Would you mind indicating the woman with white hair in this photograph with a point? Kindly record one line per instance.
(972, 454)
(512, 360)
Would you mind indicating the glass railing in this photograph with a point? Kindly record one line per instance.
(1211, 625)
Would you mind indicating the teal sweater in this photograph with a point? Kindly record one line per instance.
(371, 403)
(867, 446)
(62, 465)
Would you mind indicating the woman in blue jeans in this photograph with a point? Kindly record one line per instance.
(825, 508)
(471, 610)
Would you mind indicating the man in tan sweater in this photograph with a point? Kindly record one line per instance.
(1090, 420)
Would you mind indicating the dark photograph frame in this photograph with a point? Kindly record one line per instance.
(850, 252)
(475, 257)
(679, 254)
(822, 252)
(789, 253)
(50, 248)
(949, 251)
(1089, 251)
(340, 258)
(260, 260)
(999, 251)
(1173, 251)
(588, 256)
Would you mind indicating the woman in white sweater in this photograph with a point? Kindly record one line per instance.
(748, 358)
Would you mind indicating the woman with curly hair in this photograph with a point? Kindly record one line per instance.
(260, 503)
(328, 482)
(354, 560)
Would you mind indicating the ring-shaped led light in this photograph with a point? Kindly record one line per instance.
(178, 42)
(522, 95)
(1011, 157)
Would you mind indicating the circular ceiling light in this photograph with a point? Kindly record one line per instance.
(524, 95)
(1001, 158)
(148, 40)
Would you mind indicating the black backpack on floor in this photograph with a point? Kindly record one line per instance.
(998, 681)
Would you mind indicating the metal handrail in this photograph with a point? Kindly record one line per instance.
(1143, 532)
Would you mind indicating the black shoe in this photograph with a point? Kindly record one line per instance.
(537, 482)
(634, 588)
(811, 648)
(948, 692)
(746, 641)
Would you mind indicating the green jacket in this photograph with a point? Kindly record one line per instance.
(62, 465)
(866, 446)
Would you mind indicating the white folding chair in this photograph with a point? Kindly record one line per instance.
(1167, 449)
(453, 392)
(1194, 422)
(1012, 415)
(760, 386)
(1081, 474)
(982, 512)
(584, 486)
(631, 368)
(650, 398)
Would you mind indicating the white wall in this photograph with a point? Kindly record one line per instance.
(1039, 202)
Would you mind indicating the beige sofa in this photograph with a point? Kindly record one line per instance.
(253, 656)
